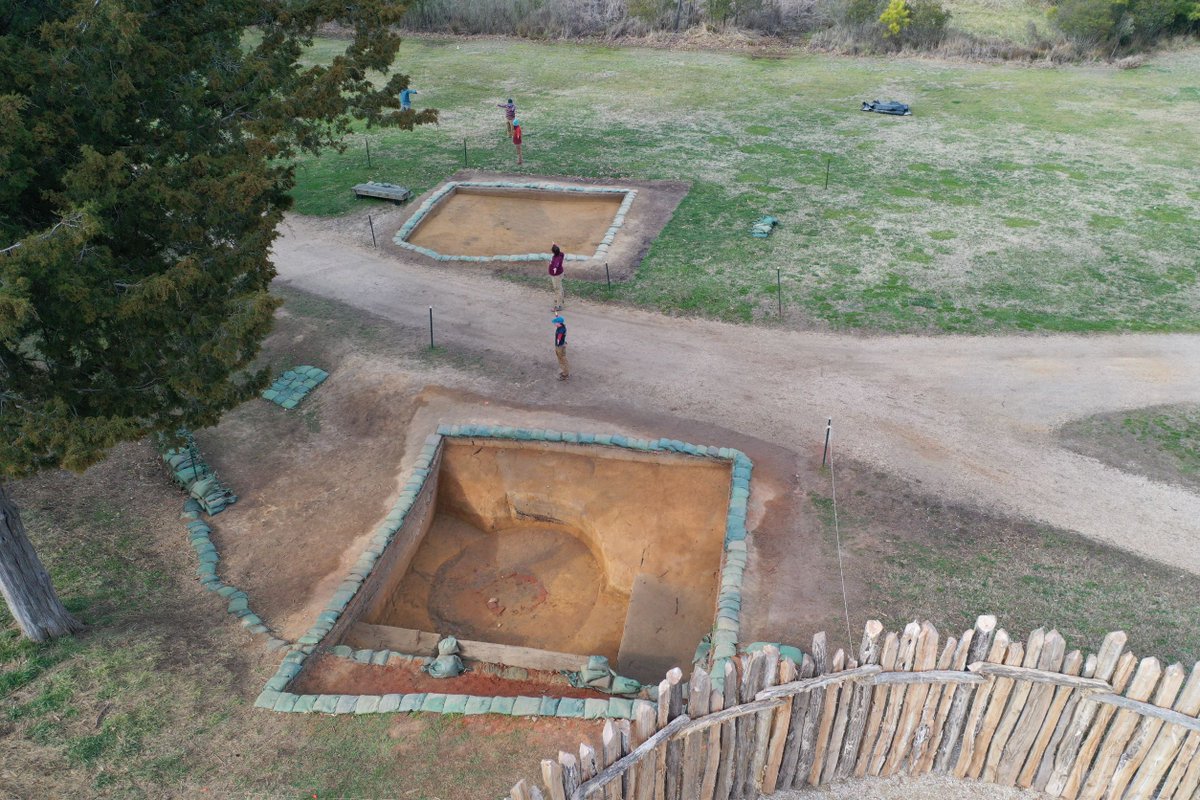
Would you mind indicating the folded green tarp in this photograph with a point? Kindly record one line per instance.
(762, 229)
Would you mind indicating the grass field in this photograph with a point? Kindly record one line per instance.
(1161, 442)
(1026, 198)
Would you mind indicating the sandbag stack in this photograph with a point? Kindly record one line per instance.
(197, 478)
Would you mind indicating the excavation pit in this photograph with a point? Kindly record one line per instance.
(516, 221)
(536, 550)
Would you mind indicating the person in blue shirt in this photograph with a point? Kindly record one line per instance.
(560, 348)
(406, 99)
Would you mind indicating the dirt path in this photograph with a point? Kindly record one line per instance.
(972, 419)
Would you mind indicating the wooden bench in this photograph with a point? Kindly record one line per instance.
(384, 191)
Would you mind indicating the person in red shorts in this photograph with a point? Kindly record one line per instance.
(517, 139)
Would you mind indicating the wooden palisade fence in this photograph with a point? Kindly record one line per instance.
(979, 707)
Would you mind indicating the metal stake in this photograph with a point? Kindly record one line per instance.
(368, 144)
(825, 452)
(431, 327)
(779, 290)
(827, 160)
(372, 224)
(607, 276)
(464, 151)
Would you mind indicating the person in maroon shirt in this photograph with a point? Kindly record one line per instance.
(556, 273)
(510, 113)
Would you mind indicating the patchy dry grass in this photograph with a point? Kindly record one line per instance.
(155, 699)
(1015, 198)
(1162, 443)
(911, 557)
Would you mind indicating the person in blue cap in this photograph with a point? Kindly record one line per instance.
(516, 134)
(560, 348)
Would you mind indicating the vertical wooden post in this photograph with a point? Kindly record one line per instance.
(570, 772)
(431, 327)
(552, 777)
(1158, 760)
(1053, 722)
(367, 142)
(725, 775)
(1001, 646)
(371, 222)
(611, 751)
(695, 746)
(825, 727)
(762, 724)
(860, 699)
(879, 695)
(644, 726)
(1013, 748)
(816, 706)
(795, 738)
(981, 643)
(464, 151)
(1081, 721)
(779, 731)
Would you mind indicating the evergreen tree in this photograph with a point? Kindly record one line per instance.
(145, 155)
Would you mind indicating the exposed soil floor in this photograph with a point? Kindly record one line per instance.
(527, 586)
(474, 222)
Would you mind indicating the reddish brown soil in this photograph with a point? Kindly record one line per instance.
(471, 222)
(329, 674)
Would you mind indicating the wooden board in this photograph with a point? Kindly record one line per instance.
(383, 191)
(405, 640)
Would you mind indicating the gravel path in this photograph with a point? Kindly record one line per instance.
(971, 418)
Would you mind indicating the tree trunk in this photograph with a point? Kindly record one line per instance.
(24, 582)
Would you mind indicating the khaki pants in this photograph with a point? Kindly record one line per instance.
(556, 282)
(564, 367)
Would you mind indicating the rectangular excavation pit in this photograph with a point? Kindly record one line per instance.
(538, 554)
(535, 549)
(504, 220)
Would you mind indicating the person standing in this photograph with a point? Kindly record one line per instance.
(560, 348)
(406, 95)
(556, 273)
(516, 134)
(510, 114)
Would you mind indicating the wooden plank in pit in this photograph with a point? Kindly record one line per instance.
(405, 640)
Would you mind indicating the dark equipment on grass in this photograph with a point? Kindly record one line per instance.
(887, 107)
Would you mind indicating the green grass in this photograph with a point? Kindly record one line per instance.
(155, 698)
(1015, 199)
(1160, 442)
(1001, 19)
(956, 565)
(1176, 433)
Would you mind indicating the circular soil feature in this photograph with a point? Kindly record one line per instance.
(518, 584)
